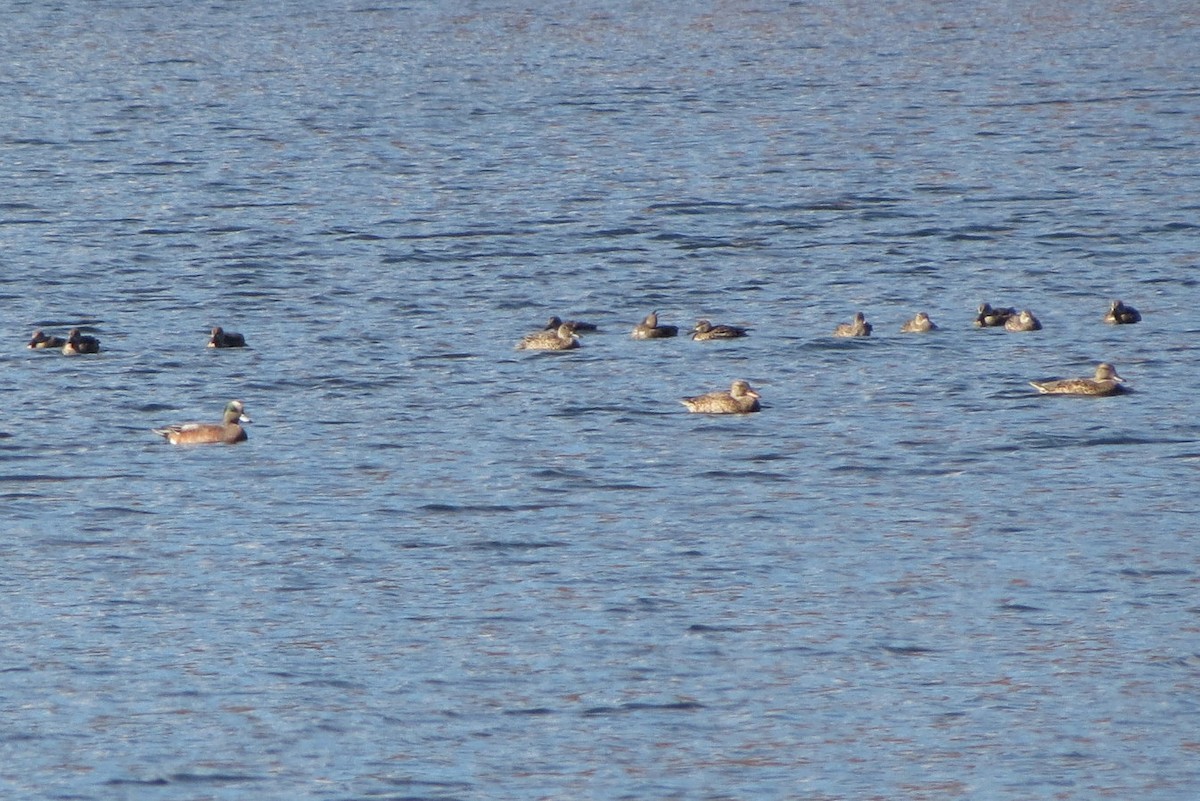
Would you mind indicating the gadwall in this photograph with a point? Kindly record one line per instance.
(1105, 382)
(41, 341)
(1025, 321)
(705, 330)
(562, 338)
(225, 339)
(918, 325)
(228, 431)
(740, 399)
(1120, 314)
(992, 318)
(78, 343)
(650, 329)
(576, 325)
(859, 328)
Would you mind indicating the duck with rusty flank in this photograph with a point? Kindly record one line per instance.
(649, 328)
(1120, 314)
(989, 317)
(226, 432)
(78, 343)
(1025, 321)
(740, 399)
(561, 338)
(704, 330)
(859, 327)
(43, 341)
(1104, 382)
(918, 324)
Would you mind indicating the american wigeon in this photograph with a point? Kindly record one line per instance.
(918, 324)
(1025, 321)
(41, 341)
(562, 338)
(225, 339)
(576, 325)
(1105, 382)
(858, 328)
(78, 343)
(228, 431)
(992, 318)
(650, 329)
(1120, 314)
(740, 399)
(704, 330)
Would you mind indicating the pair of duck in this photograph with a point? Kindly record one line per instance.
(859, 327)
(1007, 318)
(75, 343)
(704, 330)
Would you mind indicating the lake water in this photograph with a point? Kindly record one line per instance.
(441, 568)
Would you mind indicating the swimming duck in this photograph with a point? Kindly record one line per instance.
(992, 318)
(225, 339)
(1025, 321)
(918, 324)
(78, 343)
(1120, 314)
(562, 338)
(859, 328)
(705, 330)
(228, 431)
(576, 325)
(1105, 382)
(41, 341)
(650, 329)
(740, 399)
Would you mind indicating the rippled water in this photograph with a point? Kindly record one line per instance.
(444, 569)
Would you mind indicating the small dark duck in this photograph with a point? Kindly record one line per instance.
(225, 339)
(561, 338)
(858, 328)
(704, 330)
(1105, 382)
(41, 341)
(992, 318)
(740, 399)
(226, 432)
(1120, 314)
(918, 324)
(576, 325)
(77, 343)
(650, 329)
(1025, 321)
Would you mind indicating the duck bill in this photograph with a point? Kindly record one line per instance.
(244, 419)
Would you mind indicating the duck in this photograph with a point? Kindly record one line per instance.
(227, 432)
(992, 318)
(1120, 314)
(225, 339)
(704, 330)
(859, 328)
(1025, 321)
(41, 341)
(1104, 382)
(576, 325)
(78, 343)
(650, 329)
(740, 399)
(562, 338)
(918, 324)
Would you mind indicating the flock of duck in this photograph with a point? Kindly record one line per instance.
(560, 335)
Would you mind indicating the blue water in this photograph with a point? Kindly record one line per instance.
(441, 568)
